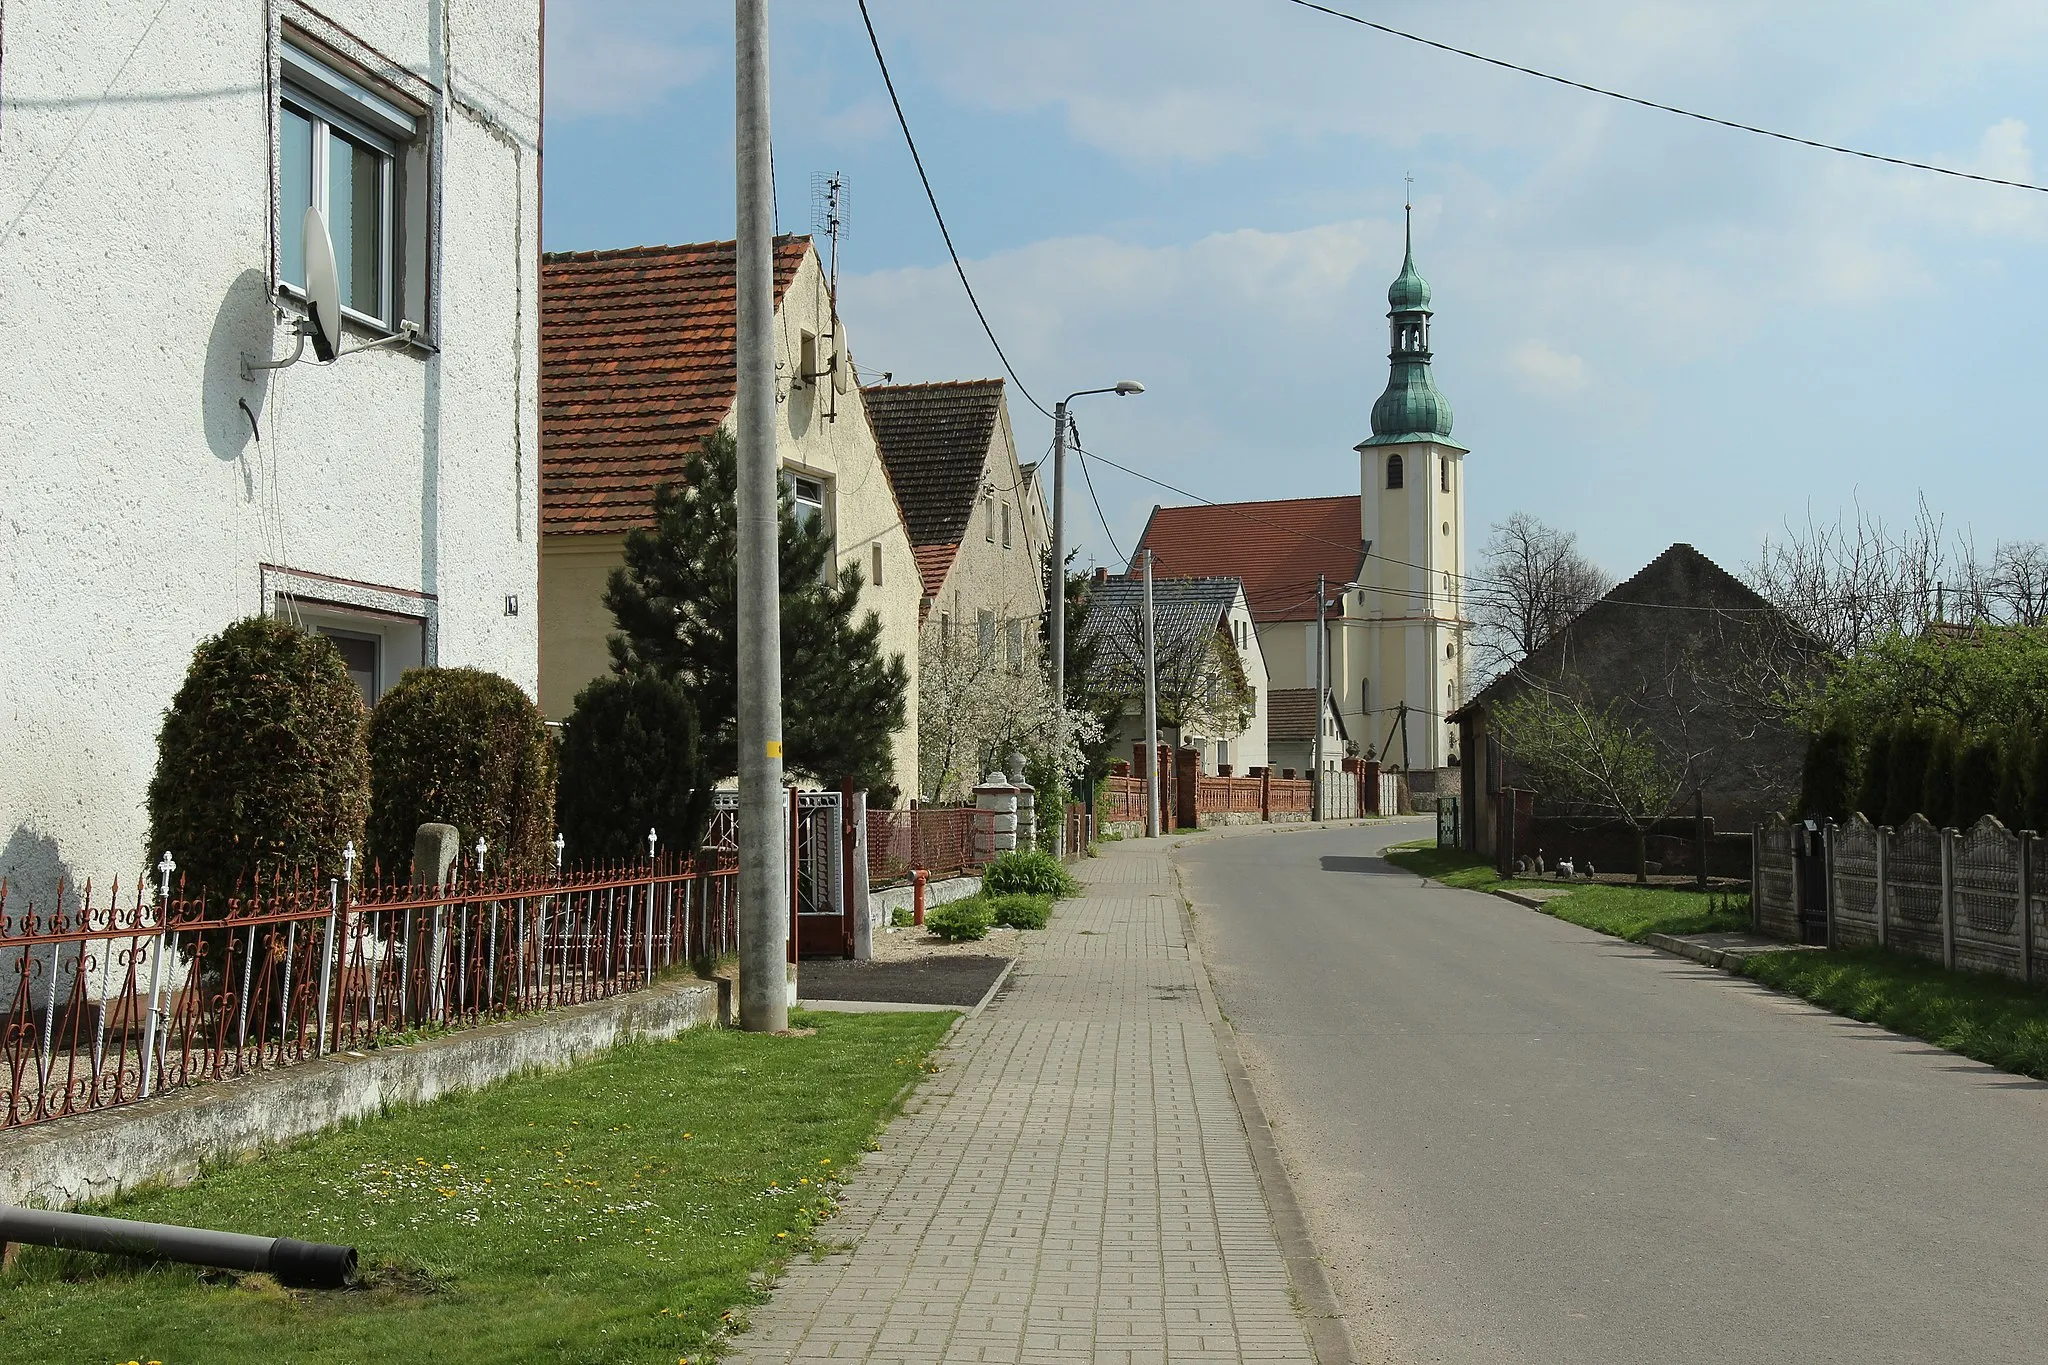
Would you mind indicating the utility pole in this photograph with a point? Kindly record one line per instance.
(1056, 585)
(1151, 712)
(763, 839)
(1316, 792)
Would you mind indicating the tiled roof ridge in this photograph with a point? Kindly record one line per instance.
(614, 253)
(924, 384)
(1321, 498)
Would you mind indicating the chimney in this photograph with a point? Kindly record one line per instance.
(1101, 575)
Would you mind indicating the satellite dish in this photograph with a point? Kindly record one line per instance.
(842, 369)
(323, 288)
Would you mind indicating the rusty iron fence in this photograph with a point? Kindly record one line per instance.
(107, 1002)
(940, 840)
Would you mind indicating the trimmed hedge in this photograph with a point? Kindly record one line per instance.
(631, 761)
(462, 747)
(261, 768)
(1032, 872)
(1827, 781)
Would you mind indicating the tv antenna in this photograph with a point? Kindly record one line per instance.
(322, 323)
(828, 215)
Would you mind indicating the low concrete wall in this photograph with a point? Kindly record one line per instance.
(1217, 818)
(881, 903)
(166, 1139)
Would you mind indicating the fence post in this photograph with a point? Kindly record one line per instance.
(1948, 898)
(1756, 876)
(1266, 794)
(164, 868)
(327, 963)
(1827, 872)
(1884, 893)
(2027, 906)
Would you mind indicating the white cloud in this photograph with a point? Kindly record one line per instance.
(609, 58)
(1543, 369)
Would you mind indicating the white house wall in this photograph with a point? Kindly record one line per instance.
(137, 270)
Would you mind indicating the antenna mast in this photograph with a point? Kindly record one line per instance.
(828, 215)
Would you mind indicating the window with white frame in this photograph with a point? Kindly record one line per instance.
(807, 495)
(343, 149)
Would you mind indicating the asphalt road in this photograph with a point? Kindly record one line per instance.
(1516, 1140)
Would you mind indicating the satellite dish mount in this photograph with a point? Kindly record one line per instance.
(322, 323)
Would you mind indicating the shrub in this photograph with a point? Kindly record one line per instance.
(1826, 783)
(2015, 781)
(631, 761)
(1020, 911)
(961, 920)
(1906, 769)
(461, 747)
(1976, 785)
(1028, 871)
(902, 917)
(1938, 787)
(1873, 792)
(261, 768)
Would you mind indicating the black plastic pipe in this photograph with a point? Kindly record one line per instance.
(299, 1265)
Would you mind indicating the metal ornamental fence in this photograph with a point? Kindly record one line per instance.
(111, 1002)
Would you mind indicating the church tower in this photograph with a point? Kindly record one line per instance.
(1406, 654)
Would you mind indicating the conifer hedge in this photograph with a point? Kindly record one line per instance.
(1827, 783)
(631, 761)
(261, 768)
(463, 747)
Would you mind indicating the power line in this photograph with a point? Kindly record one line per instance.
(1667, 108)
(933, 198)
(1090, 479)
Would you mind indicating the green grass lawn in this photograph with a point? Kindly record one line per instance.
(616, 1211)
(1993, 1019)
(1630, 912)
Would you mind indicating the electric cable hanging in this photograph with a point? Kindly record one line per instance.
(933, 198)
(1667, 108)
(1089, 479)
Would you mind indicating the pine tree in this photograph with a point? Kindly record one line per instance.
(676, 601)
(1938, 787)
(1906, 769)
(1873, 792)
(1826, 782)
(1976, 789)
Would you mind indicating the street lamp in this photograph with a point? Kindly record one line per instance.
(1057, 601)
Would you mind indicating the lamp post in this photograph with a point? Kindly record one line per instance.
(1056, 600)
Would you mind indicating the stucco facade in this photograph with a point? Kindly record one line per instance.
(822, 433)
(995, 570)
(155, 494)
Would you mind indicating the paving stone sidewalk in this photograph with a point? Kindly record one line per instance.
(1075, 1184)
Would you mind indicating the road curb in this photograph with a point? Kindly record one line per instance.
(1329, 1335)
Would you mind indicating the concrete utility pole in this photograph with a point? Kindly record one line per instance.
(1315, 798)
(1151, 711)
(763, 839)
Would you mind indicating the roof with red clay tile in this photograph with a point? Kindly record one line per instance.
(1277, 548)
(933, 563)
(637, 366)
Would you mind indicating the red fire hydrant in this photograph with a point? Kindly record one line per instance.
(917, 896)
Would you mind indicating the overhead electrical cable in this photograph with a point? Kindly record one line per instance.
(933, 198)
(1667, 108)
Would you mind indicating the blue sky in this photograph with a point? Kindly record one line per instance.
(1651, 330)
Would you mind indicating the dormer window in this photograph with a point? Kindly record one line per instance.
(1393, 471)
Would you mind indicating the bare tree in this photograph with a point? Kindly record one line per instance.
(1533, 579)
(1858, 580)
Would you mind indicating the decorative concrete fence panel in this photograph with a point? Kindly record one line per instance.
(1964, 899)
(1854, 896)
(1913, 889)
(1984, 872)
(1776, 910)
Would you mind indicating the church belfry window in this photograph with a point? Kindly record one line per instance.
(1443, 472)
(1393, 471)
